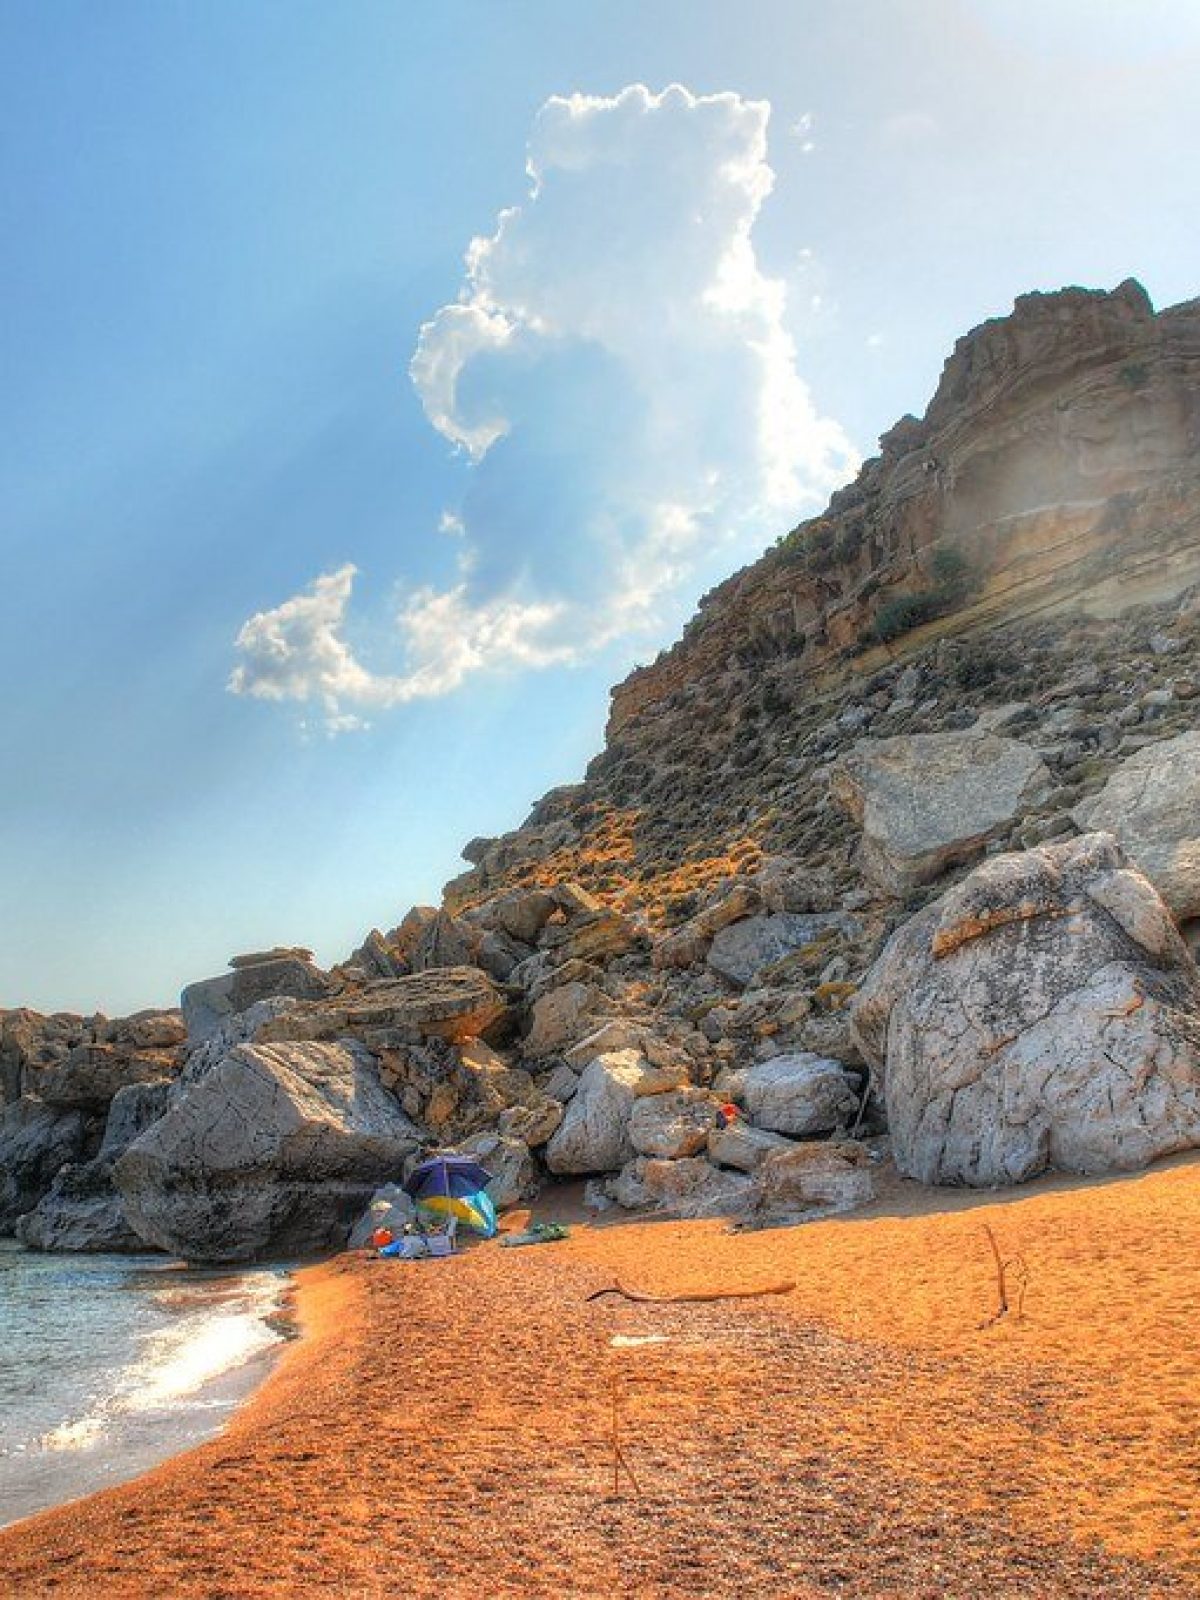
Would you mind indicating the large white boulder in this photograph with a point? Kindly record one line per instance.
(275, 1150)
(1044, 1013)
(926, 801)
(1152, 804)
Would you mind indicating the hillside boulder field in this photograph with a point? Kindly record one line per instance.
(893, 858)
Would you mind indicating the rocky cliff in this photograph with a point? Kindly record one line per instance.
(895, 855)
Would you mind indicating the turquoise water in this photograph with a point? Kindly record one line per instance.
(109, 1364)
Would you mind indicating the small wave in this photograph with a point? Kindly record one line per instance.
(77, 1435)
(178, 1361)
(221, 1333)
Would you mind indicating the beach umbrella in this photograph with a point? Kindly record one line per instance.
(454, 1186)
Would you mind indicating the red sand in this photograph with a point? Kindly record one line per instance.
(444, 1427)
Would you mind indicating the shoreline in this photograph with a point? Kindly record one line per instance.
(201, 1345)
(446, 1422)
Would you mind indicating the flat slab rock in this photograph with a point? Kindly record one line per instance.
(743, 949)
(451, 1003)
(1044, 1013)
(927, 801)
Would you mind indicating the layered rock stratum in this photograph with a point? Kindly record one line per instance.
(892, 855)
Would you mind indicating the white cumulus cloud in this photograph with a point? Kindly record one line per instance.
(618, 371)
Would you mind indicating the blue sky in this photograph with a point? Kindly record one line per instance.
(225, 226)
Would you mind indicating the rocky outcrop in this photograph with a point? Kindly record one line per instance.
(274, 1151)
(206, 1005)
(928, 801)
(1152, 804)
(1043, 1014)
(36, 1140)
(454, 1004)
(82, 1210)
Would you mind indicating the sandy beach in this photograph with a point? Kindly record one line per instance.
(445, 1428)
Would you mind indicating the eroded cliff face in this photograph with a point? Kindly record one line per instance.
(1050, 491)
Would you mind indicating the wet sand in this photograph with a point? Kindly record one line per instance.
(445, 1428)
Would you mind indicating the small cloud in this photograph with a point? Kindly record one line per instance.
(875, 341)
(910, 128)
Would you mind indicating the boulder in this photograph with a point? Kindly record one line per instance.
(146, 1030)
(521, 913)
(1152, 804)
(687, 1188)
(207, 1004)
(445, 942)
(594, 1133)
(673, 1124)
(742, 950)
(1044, 1013)
(533, 1124)
(738, 1144)
(830, 1176)
(561, 1017)
(93, 1073)
(799, 1094)
(276, 1150)
(35, 1141)
(927, 801)
(598, 935)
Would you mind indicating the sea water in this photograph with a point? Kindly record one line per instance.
(109, 1364)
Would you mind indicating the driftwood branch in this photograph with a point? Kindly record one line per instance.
(1014, 1267)
(619, 1460)
(678, 1299)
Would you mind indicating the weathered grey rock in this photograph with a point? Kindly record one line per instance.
(132, 1111)
(742, 950)
(1042, 1014)
(241, 1028)
(275, 1150)
(454, 1004)
(207, 1004)
(533, 1124)
(521, 913)
(81, 1212)
(673, 1124)
(390, 1207)
(561, 1017)
(500, 955)
(561, 1084)
(825, 1177)
(738, 1144)
(688, 1188)
(446, 942)
(146, 1030)
(594, 1133)
(929, 800)
(1152, 804)
(35, 1141)
(93, 1073)
(799, 1094)
(82, 1209)
(378, 959)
